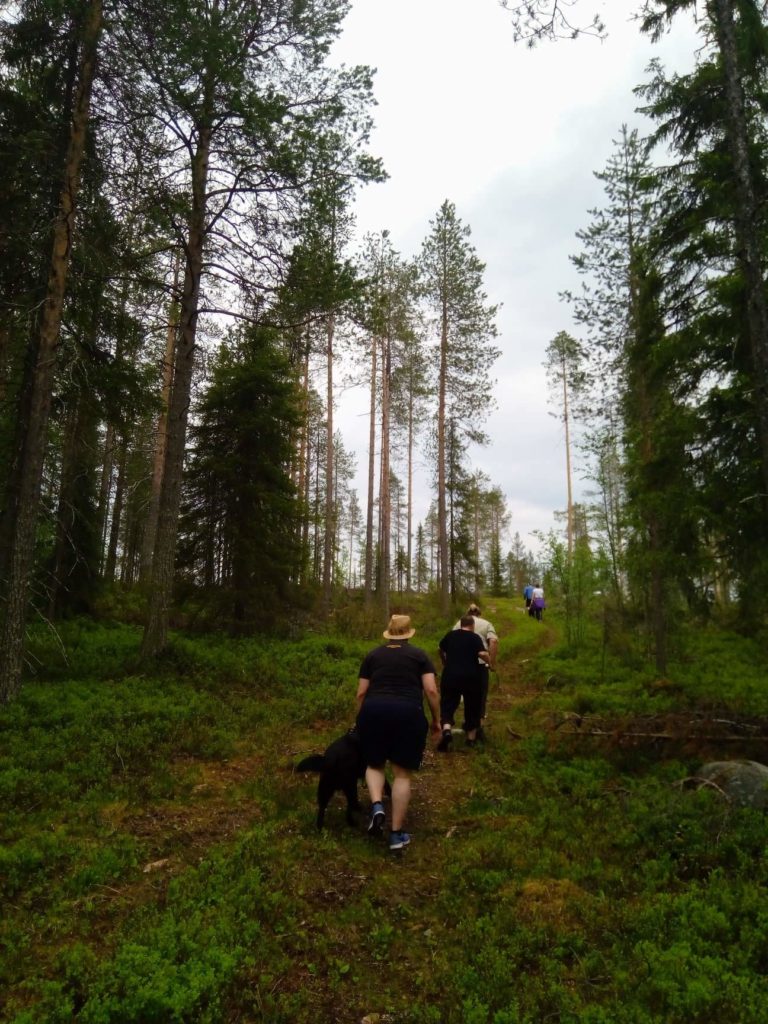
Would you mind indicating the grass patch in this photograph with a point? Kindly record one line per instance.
(160, 862)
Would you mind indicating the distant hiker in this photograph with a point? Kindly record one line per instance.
(528, 594)
(394, 679)
(461, 651)
(538, 603)
(488, 635)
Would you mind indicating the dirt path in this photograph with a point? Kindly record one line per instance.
(358, 925)
(345, 875)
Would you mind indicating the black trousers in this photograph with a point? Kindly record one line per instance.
(451, 692)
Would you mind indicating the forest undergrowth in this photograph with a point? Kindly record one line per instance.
(160, 861)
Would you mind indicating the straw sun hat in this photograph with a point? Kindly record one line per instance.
(399, 628)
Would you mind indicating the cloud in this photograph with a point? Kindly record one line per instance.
(512, 136)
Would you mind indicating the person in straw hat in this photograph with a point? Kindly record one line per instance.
(391, 724)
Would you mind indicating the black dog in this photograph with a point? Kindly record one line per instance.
(340, 767)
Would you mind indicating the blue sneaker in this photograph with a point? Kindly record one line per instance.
(397, 840)
(378, 817)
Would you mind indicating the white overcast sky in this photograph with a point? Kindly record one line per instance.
(512, 136)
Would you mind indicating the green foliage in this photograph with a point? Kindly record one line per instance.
(238, 492)
(575, 886)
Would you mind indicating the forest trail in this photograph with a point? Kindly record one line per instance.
(361, 895)
(349, 929)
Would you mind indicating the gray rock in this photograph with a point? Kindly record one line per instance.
(743, 782)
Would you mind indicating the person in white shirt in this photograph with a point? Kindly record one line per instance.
(537, 601)
(488, 635)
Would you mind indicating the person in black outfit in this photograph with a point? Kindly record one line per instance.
(394, 679)
(459, 650)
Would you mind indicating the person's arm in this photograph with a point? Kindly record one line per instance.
(362, 689)
(429, 685)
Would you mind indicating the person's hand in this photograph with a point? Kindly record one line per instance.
(437, 732)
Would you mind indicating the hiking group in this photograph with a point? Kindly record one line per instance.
(394, 680)
(534, 600)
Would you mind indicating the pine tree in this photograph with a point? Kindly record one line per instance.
(566, 377)
(251, 102)
(451, 275)
(17, 538)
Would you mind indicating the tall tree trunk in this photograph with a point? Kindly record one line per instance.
(451, 530)
(117, 514)
(302, 478)
(307, 493)
(330, 508)
(150, 527)
(316, 516)
(645, 392)
(156, 631)
(26, 478)
(746, 220)
(566, 420)
(442, 519)
(371, 477)
(105, 489)
(409, 552)
(385, 500)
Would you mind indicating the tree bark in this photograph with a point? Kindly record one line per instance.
(156, 632)
(442, 521)
(302, 479)
(117, 514)
(566, 420)
(150, 527)
(409, 520)
(330, 509)
(26, 478)
(746, 219)
(385, 510)
(371, 479)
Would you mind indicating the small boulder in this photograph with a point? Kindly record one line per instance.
(743, 782)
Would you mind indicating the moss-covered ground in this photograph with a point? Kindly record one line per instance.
(159, 860)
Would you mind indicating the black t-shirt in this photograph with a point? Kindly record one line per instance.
(395, 670)
(461, 648)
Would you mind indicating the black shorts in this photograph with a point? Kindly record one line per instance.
(392, 730)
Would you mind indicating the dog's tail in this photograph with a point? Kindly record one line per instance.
(313, 763)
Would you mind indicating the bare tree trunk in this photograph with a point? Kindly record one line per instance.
(371, 476)
(302, 478)
(156, 631)
(117, 514)
(566, 420)
(330, 509)
(746, 220)
(316, 518)
(442, 520)
(385, 504)
(105, 490)
(150, 527)
(409, 552)
(26, 476)
(307, 495)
